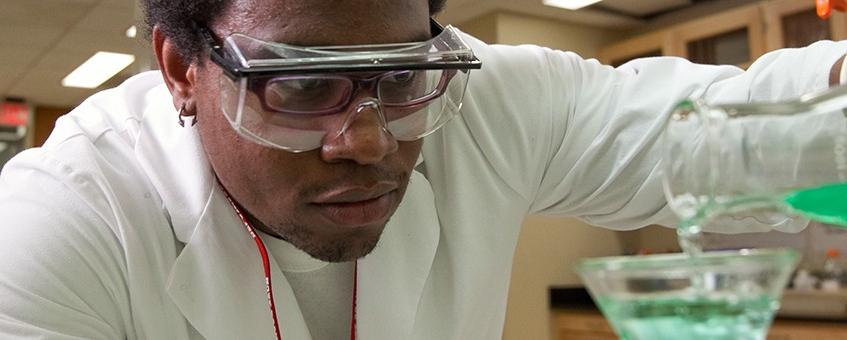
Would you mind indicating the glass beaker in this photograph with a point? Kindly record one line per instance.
(752, 167)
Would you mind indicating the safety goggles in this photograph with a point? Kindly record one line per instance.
(293, 97)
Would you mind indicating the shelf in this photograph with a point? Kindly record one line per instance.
(814, 304)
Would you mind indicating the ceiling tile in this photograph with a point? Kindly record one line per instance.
(31, 35)
(17, 57)
(6, 82)
(43, 87)
(54, 13)
(14, 63)
(43, 84)
(117, 18)
(90, 41)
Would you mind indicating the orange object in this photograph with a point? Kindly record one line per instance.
(832, 253)
(825, 7)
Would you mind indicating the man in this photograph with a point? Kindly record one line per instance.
(251, 172)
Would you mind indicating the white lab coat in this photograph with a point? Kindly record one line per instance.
(116, 227)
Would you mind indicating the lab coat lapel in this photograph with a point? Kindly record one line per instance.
(218, 282)
(175, 163)
(391, 279)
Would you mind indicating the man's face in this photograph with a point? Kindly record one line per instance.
(332, 202)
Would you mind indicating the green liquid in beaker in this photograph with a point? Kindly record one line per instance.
(725, 318)
(694, 313)
(826, 204)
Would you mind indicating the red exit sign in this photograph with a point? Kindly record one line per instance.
(13, 113)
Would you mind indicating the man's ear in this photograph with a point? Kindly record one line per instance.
(180, 77)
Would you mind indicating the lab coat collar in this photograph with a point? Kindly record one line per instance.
(217, 281)
(175, 163)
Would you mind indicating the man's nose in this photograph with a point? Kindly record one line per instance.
(363, 138)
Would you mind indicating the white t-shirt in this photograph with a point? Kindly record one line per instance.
(324, 290)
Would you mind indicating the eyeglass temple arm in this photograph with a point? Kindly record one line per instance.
(215, 51)
(232, 70)
(435, 28)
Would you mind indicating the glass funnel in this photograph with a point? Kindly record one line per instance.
(730, 295)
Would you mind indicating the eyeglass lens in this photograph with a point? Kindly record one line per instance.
(330, 93)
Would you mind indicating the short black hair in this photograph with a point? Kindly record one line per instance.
(176, 19)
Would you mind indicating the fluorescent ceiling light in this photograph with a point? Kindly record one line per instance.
(570, 4)
(98, 69)
(131, 32)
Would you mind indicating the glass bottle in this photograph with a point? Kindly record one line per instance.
(757, 167)
(831, 275)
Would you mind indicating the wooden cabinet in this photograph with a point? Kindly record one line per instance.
(737, 36)
(580, 324)
(794, 23)
(733, 37)
(806, 330)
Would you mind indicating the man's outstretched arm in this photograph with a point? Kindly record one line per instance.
(57, 280)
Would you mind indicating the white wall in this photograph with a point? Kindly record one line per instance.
(516, 29)
(547, 251)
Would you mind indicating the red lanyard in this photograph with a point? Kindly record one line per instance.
(266, 264)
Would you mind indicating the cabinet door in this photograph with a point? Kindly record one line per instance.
(731, 37)
(794, 23)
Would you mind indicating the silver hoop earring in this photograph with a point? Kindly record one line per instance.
(183, 116)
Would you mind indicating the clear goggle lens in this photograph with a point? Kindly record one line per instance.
(295, 112)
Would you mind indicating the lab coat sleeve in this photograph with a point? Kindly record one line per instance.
(605, 163)
(58, 279)
(577, 138)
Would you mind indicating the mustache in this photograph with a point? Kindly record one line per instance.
(359, 176)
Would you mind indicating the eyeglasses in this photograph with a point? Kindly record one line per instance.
(320, 94)
(291, 97)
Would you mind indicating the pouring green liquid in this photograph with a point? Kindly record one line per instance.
(735, 168)
(827, 204)
(706, 316)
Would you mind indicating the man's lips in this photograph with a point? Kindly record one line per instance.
(353, 194)
(357, 205)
